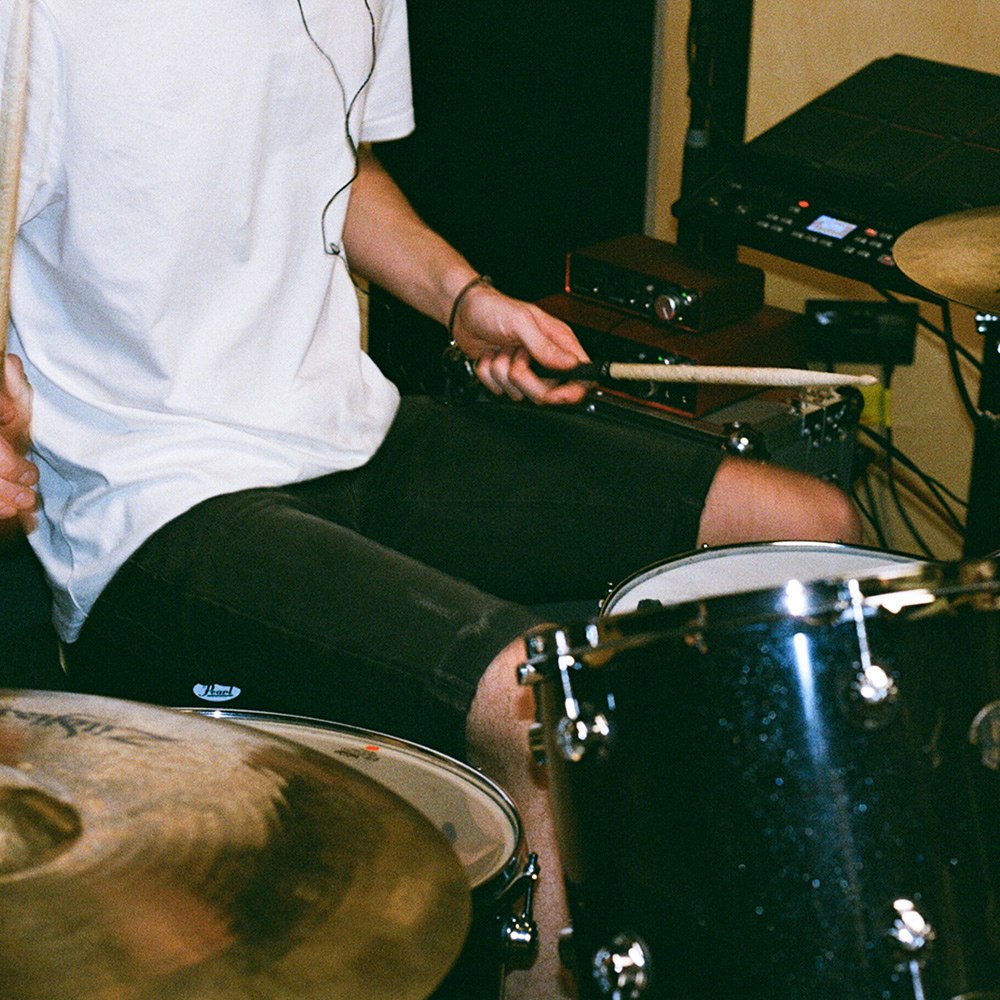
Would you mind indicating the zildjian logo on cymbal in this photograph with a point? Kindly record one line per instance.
(86, 725)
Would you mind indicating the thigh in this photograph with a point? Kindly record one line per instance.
(535, 504)
(252, 598)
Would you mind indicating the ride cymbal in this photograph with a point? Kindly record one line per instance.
(148, 854)
(957, 257)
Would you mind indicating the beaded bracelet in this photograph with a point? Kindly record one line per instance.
(479, 279)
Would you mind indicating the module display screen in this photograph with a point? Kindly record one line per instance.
(829, 226)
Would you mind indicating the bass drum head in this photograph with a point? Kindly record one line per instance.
(734, 569)
(473, 813)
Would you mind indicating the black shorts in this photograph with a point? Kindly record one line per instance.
(377, 597)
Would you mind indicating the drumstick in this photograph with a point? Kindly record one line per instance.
(704, 374)
(13, 106)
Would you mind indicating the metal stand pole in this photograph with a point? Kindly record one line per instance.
(719, 65)
(982, 525)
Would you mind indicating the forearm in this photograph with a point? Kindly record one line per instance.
(388, 243)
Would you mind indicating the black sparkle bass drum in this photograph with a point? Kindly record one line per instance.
(785, 794)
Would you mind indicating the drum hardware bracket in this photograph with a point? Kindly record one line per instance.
(519, 933)
(577, 736)
(872, 696)
(567, 948)
(912, 936)
(578, 731)
(985, 733)
(527, 673)
(622, 970)
(743, 439)
(910, 929)
(873, 693)
(536, 742)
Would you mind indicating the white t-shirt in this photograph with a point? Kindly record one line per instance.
(183, 328)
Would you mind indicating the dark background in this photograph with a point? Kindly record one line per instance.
(532, 140)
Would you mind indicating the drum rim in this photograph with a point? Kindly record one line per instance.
(921, 589)
(498, 880)
(717, 551)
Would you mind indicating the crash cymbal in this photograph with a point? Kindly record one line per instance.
(957, 257)
(148, 854)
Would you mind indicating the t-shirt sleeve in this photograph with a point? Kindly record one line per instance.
(389, 103)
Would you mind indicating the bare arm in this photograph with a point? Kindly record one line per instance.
(390, 244)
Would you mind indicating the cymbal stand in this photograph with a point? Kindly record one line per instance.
(982, 525)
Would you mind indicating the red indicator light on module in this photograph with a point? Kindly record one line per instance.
(803, 203)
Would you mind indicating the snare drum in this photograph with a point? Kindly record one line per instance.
(473, 813)
(790, 793)
(729, 569)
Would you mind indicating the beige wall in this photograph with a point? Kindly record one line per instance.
(798, 51)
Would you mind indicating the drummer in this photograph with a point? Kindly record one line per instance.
(222, 487)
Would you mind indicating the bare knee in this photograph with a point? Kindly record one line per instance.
(749, 502)
(501, 713)
(841, 520)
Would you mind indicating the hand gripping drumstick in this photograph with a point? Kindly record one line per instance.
(12, 114)
(704, 374)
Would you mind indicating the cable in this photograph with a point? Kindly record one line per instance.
(938, 491)
(941, 334)
(935, 485)
(900, 506)
(947, 334)
(329, 246)
(956, 374)
(887, 371)
(872, 515)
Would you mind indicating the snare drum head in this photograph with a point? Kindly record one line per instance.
(475, 816)
(734, 569)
